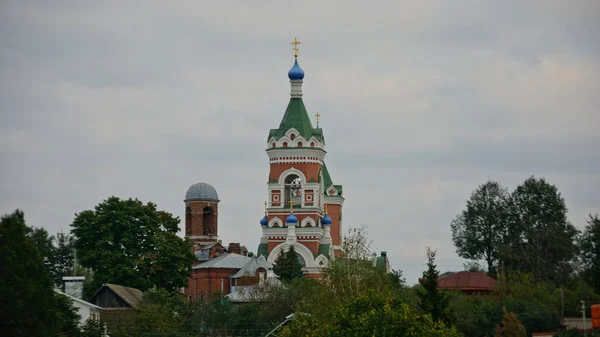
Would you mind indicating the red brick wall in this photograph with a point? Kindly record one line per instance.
(195, 221)
(310, 170)
(334, 212)
(208, 281)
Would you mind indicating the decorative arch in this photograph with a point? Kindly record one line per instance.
(292, 131)
(308, 222)
(289, 171)
(275, 222)
(301, 249)
(321, 261)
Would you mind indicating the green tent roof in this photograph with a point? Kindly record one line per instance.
(327, 182)
(324, 249)
(296, 117)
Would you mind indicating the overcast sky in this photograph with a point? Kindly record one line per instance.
(421, 101)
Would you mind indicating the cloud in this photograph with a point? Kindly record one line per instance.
(420, 103)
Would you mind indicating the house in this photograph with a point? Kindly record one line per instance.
(116, 297)
(85, 310)
(225, 272)
(469, 282)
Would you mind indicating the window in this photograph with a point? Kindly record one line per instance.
(293, 190)
(208, 222)
(188, 221)
(312, 144)
(284, 144)
(292, 136)
(299, 144)
(273, 145)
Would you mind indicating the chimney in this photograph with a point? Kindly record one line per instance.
(234, 247)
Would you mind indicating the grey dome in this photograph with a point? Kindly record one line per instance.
(201, 191)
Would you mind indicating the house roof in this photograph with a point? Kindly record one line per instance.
(467, 280)
(79, 300)
(131, 296)
(226, 260)
(250, 268)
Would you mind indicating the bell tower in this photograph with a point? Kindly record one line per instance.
(300, 189)
(201, 213)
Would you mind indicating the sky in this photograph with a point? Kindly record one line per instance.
(420, 102)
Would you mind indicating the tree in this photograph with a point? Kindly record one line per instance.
(539, 238)
(432, 300)
(287, 265)
(511, 326)
(133, 244)
(30, 306)
(590, 252)
(477, 232)
(371, 314)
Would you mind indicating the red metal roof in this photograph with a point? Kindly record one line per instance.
(467, 280)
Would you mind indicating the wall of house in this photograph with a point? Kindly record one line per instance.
(86, 312)
(206, 282)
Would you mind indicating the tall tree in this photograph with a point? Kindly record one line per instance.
(288, 265)
(44, 243)
(30, 306)
(133, 244)
(590, 252)
(511, 326)
(539, 238)
(432, 300)
(478, 230)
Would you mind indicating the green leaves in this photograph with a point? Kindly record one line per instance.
(133, 244)
(287, 265)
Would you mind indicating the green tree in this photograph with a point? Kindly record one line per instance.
(133, 244)
(30, 306)
(287, 265)
(477, 232)
(590, 252)
(511, 326)
(432, 300)
(539, 237)
(369, 315)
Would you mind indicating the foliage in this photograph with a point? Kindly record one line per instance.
(92, 328)
(511, 326)
(477, 232)
(539, 237)
(370, 315)
(432, 300)
(30, 306)
(132, 244)
(590, 252)
(160, 313)
(287, 265)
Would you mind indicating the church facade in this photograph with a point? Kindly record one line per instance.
(304, 207)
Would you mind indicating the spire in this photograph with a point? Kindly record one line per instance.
(265, 220)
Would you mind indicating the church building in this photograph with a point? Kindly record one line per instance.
(304, 207)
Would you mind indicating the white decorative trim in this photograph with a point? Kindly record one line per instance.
(321, 261)
(289, 171)
(289, 132)
(300, 249)
(308, 220)
(277, 221)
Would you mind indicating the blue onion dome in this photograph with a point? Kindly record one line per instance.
(291, 218)
(296, 73)
(326, 221)
(264, 221)
(201, 192)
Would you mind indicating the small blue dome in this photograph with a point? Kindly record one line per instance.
(296, 73)
(326, 221)
(264, 221)
(291, 218)
(201, 191)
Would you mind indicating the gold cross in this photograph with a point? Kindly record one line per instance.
(296, 43)
(291, 206)
(318, 115)
(265, 207)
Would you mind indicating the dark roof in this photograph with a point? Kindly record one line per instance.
(467, 280)
(131, 296)
(226, 260)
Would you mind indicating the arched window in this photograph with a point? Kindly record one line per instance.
(208, 221)
(188, 221)
(292, 136)
(312, 144)
(284, 144)
(293, 189)
(299, 144)
(273, 145)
